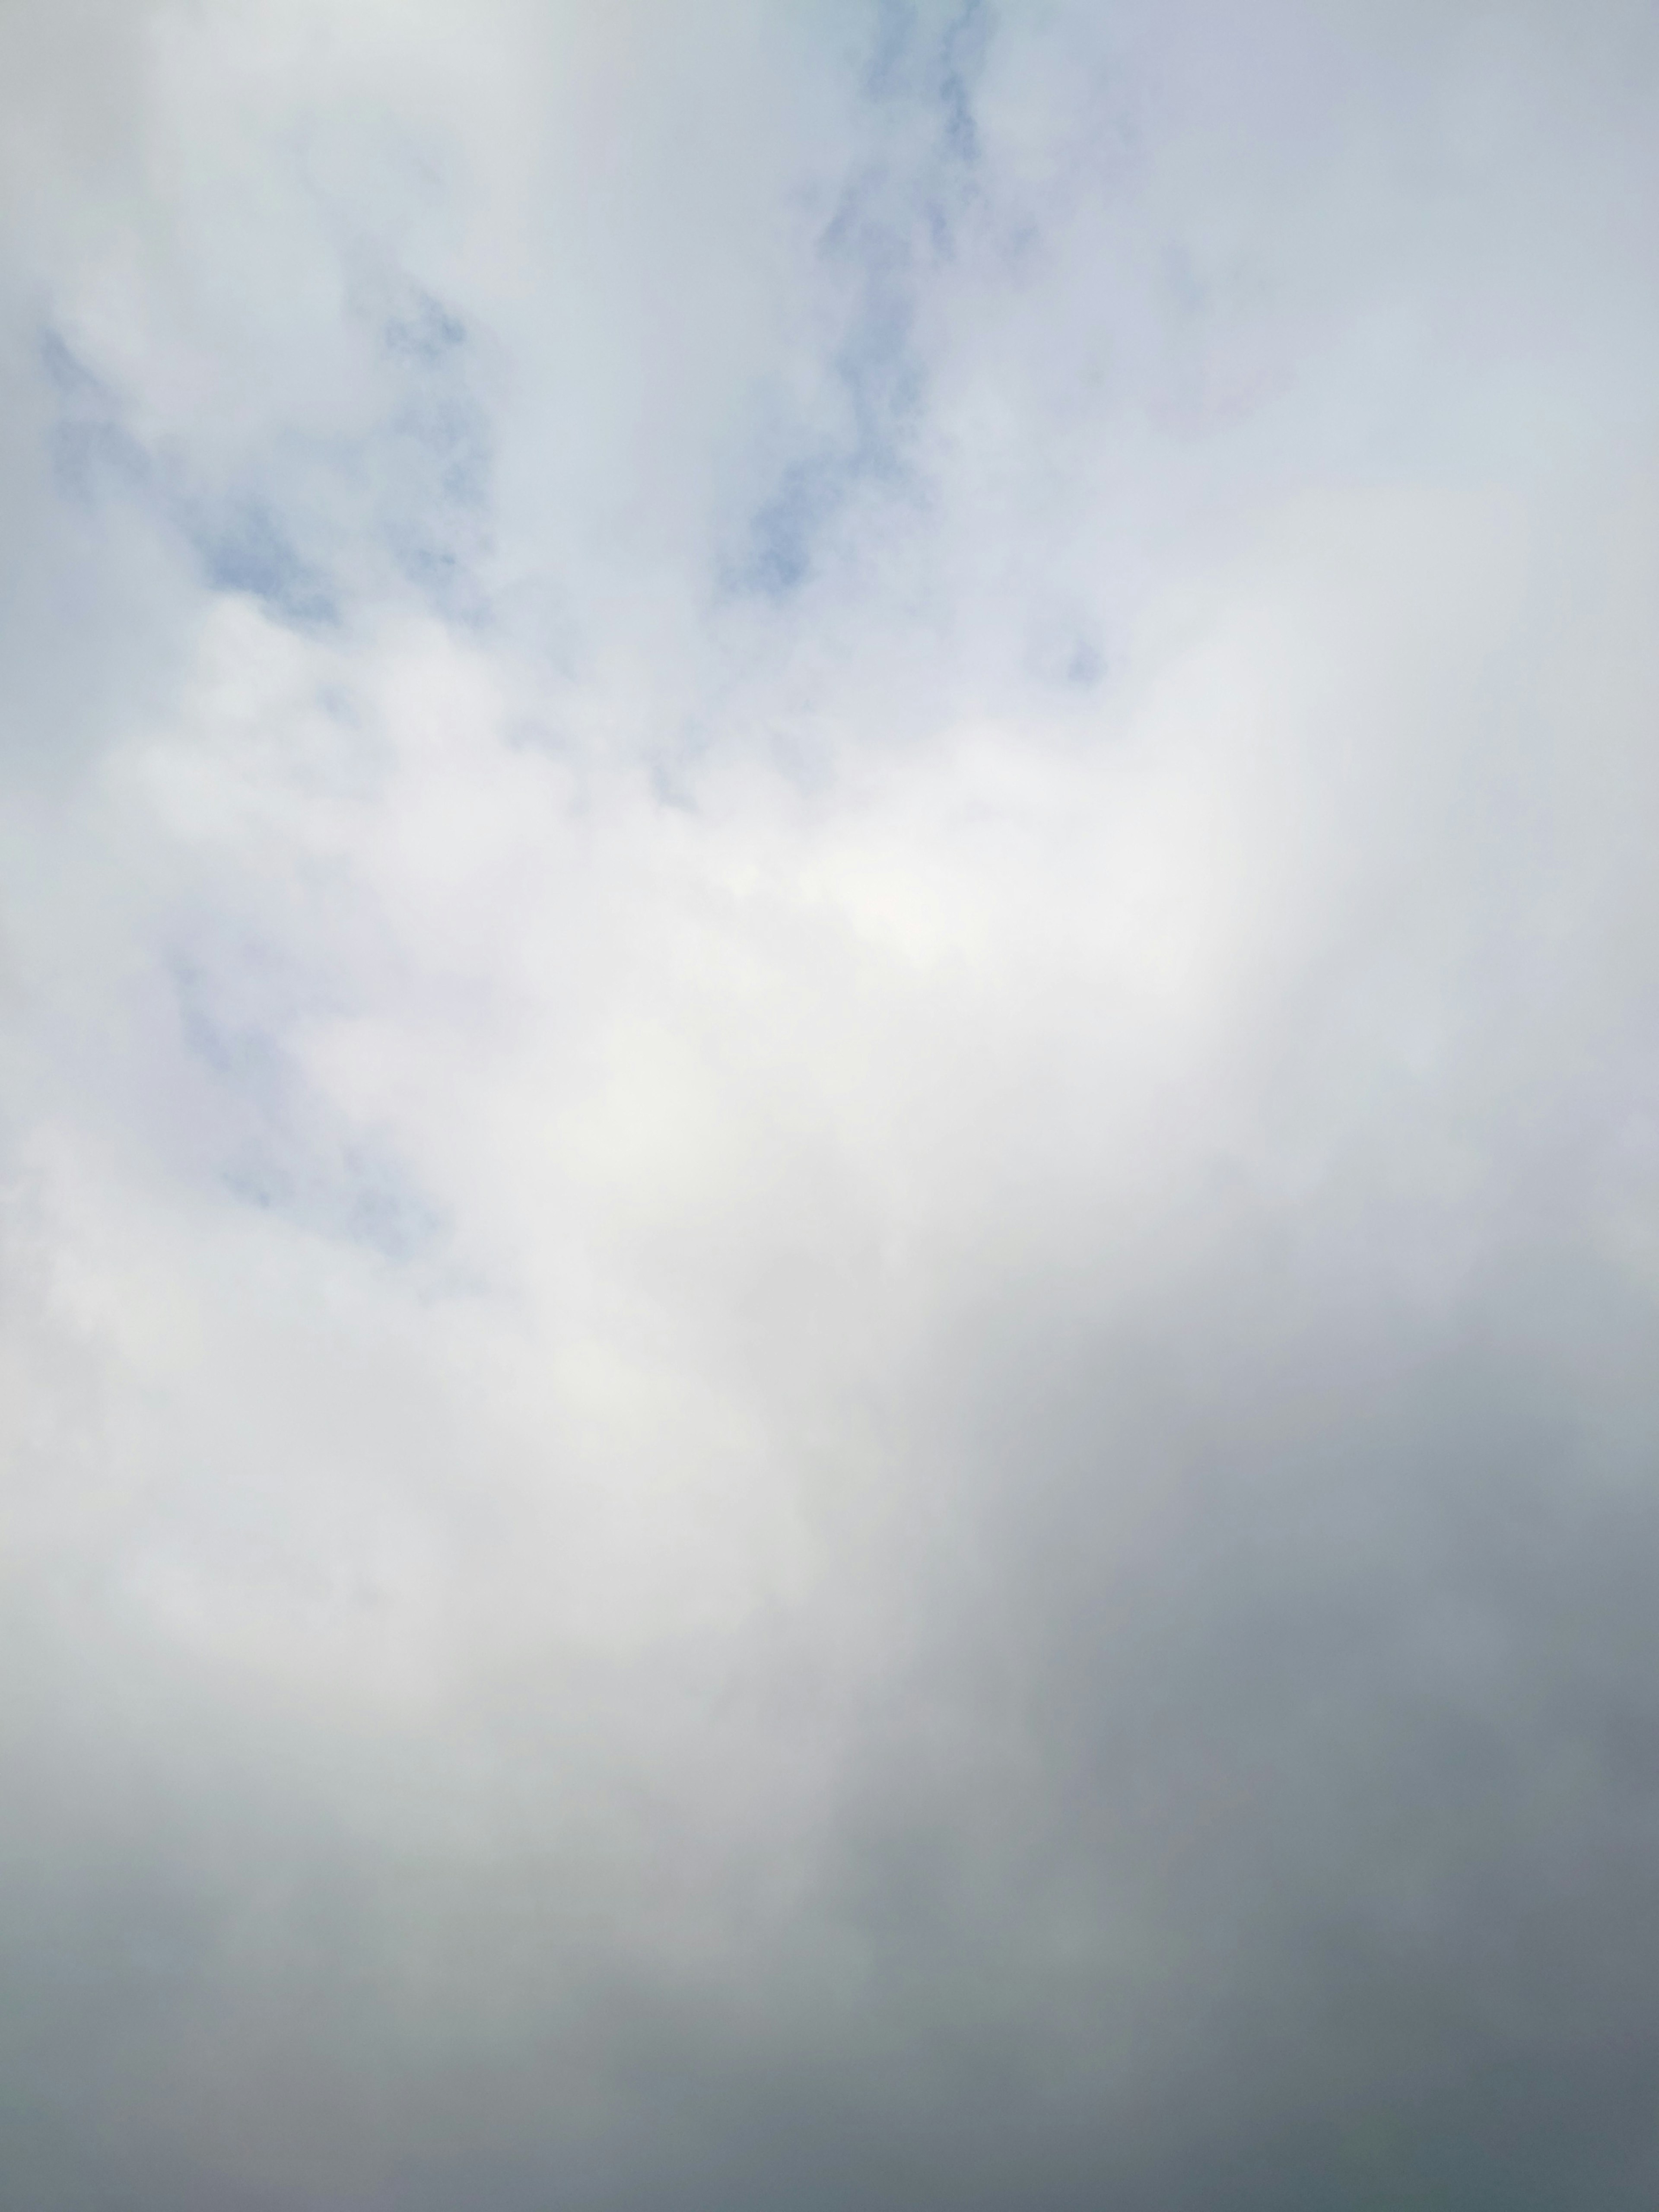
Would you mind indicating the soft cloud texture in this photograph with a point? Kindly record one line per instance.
(828, 1091)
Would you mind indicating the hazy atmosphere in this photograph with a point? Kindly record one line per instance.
(829, 1106)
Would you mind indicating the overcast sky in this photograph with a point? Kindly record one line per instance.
(829, 1106)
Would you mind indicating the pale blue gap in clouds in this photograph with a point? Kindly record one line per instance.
(304, 525)
(894, 222)
(277, 1146)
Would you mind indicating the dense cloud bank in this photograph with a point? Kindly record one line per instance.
(829, 1108)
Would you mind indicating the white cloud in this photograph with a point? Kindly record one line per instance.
(830, 1228)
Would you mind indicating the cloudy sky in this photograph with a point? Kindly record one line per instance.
(829, 1106)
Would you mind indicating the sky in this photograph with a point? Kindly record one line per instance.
(829, 1106)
